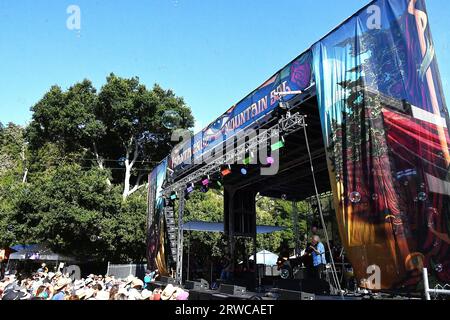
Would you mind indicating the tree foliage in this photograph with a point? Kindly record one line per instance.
(61, 180)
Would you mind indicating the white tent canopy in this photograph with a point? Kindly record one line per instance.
(265, 257)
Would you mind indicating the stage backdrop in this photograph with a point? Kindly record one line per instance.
(385, 128)
(384, 122)
(156, 230)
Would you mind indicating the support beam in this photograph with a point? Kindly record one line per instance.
(180, 238)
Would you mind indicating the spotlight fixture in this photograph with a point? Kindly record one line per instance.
(243, 171)
(205, 181)
(278, 145)
(248, 160)
(270, 160)
(173, 195)
(190, 188)
(225, 170)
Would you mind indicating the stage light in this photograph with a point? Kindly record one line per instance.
(248, 160)
(205, 181)
(173, 195)
(244, 171)
(219, 183)
(204, 189)
(270, 160)
(278, 145)
(225, 170)
(190, 188)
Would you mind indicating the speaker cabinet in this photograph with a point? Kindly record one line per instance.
(232, 290)
(196, 285)
(167, 280)
(295, 295)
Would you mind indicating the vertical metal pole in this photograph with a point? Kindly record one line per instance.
(426, 284)
(188, 256)
(257, 275)
(179, 273)
(296, 228)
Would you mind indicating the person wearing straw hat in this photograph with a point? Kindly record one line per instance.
(146, 294)
(102, 295)
(168, 293)
(134, 292)
(61, 284)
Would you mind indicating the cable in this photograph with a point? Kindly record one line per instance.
(333, 266)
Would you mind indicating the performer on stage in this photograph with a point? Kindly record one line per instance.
(318, 255)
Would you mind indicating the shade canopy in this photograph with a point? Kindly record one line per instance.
(38, 253)
(265, 257)
(219, 227)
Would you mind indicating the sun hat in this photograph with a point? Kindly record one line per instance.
(102, 295)
(168, 292)
(134, 294)
(89, 293)
(181, 294)
(137, 283)
(81, 293)
(129, 280)
(78, 284)
(146, 294)
(61, 283)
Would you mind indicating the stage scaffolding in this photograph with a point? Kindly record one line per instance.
(288, 124)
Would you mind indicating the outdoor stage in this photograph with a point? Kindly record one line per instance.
(351, 116)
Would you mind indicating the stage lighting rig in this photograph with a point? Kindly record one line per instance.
(225, 170)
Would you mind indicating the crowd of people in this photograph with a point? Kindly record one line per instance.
(44, 285)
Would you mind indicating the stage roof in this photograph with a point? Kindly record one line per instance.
(219, 227)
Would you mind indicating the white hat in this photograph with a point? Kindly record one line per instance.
(88, 293)
(168, 292)
(133, 294)
(123, 291)
(137, 283)
(146, 294)
(102, 295)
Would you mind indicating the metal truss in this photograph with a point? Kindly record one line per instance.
(438, 290)
(287, 125)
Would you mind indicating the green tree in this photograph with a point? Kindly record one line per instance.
(122, 125)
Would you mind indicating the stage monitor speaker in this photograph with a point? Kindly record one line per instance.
(316, 286)
(232, 290)
(196, 285)
(167, 280)
(194, 295)
(289, 284)
(295, 295)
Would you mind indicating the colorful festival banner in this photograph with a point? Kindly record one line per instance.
(156, 258)
(384, 122)
(294, 77)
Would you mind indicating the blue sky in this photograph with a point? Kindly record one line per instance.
(211, 52)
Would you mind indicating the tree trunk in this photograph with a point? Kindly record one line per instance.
(100, 162)
(127, 190)
(25, 169)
